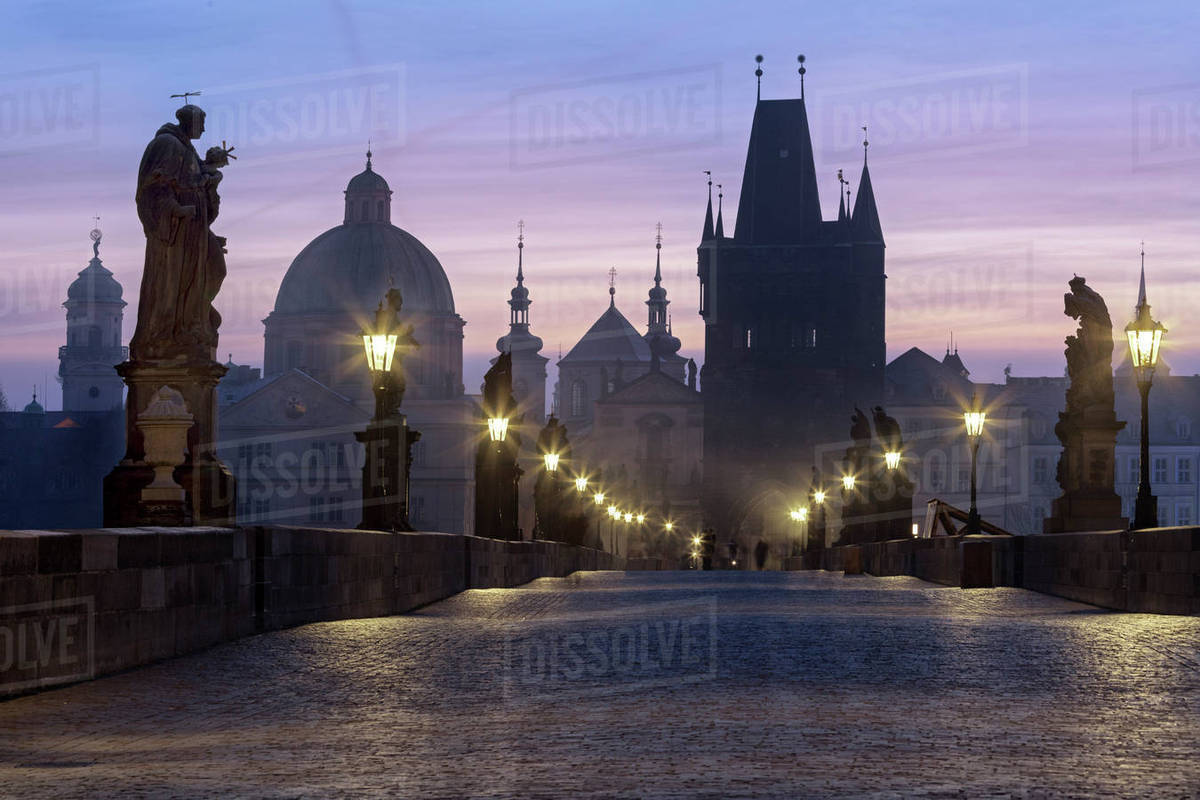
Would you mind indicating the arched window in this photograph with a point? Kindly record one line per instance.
(578, 398)
(365, 207)
(380, 212)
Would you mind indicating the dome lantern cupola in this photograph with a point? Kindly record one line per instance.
(368, 197)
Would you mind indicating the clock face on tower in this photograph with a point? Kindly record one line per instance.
(94, 392)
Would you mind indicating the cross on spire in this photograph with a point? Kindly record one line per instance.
(802, 70)
(612, 286)
(758, 75)
(368, 153)
(866, 144)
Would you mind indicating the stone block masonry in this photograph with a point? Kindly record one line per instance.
(1153, 571)
(77, 604)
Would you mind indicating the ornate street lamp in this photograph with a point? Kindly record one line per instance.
(891, 459)
(848, 482)
(819, 496)
(551, 461)
(641, 519)
(628, 516)
(387, 438)
(1145, 337)
(581, 484)
(598, 498)
(974, 419)
(668, 526)
(497, 428)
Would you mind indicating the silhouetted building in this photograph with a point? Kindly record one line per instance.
(299, 419)
(52, 465)
(793, 307)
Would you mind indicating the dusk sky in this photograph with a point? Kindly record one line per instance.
(1012, 145)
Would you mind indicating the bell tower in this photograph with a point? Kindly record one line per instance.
(94, 314)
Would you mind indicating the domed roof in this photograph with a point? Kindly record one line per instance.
(350, 267)
(94, 283)
(368, 181)
(34, 406)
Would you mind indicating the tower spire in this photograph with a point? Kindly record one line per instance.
(866, 225)
(612, 287)
(720, 233)
(841, 197)
(802, 70)
(368, 154)
(520, 252)
(758, 59)
(658, 255)
(1142, 281)
(707, 233)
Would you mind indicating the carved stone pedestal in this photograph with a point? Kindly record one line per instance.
(1086, 472)
(209, 489)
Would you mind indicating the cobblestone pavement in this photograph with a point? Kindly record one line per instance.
(648, 685)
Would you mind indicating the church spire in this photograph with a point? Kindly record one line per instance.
(720, 233)
(841, 197)
(867, 227)
(658, 326)
(519, 317)
(707, 234)
(1142, 280)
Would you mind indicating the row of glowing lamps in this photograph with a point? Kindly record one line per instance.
(973, 419)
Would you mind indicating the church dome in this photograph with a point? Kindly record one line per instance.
(94, 284)
(34, 407)
(349, 268)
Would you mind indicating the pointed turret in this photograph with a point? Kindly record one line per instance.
(707, 234)
(658, 335)
(720, 232)
(519, 338)
(866, 215)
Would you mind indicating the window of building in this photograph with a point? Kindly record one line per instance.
(810, 338)
(263, 449)
(749, 334)
(936, 474)
(1160, 470)
(1183, 469)
(335, 509)
(1041, 469)
(316, 509)
(244, 452)
(1183, 428)
(418, 454)
(418, 508)
(380, 213)
(1134, 469)
(262, 509)
(578, 398)
(1183, 512)
(964, 479)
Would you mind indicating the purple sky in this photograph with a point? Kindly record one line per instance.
(1011, 146)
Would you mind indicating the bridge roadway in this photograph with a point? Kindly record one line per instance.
(728, 684)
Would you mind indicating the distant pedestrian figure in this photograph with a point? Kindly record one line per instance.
(760, 554)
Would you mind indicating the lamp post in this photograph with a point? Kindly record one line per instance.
(974, 419)
(1145, 337)
(891, 459)
(385, 476)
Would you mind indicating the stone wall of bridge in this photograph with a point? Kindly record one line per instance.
(1153, 571)
(77, 604)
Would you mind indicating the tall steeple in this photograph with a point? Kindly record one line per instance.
(841, 197)
(779, 201)
(720, 234)
(1142, 280)
(519, 338)
(663, 345)
(707, 234)
(866, 216)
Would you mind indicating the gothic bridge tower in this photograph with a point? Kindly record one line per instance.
(793, 307)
